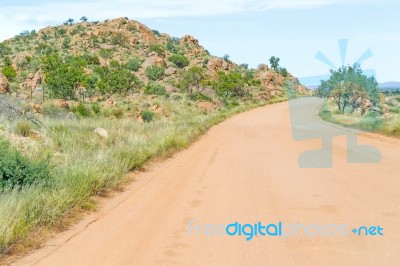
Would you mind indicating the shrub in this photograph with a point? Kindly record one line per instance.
(9, 72)
(96, 108)
(23, 128)
(155, 72)
(157, 48)
(62, 78)
(81, 110)
(117, 112)
(133, 64)
(155, 88)
(16, 170)
(116, 80)
(172, 47)
(179, 60)
(147, 115)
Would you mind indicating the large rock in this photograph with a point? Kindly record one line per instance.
(101, 132)
(154, 60)
(4, 85)
(206, 106)
(170, 71)
(216, 64)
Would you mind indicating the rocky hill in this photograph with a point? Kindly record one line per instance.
(155, 62)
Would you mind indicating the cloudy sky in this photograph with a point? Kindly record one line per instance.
(249, 31)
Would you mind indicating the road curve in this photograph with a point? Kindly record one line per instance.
(245, 169)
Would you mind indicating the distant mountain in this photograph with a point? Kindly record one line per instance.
(390, 85)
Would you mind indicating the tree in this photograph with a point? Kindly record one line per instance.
(348, 94)
(194, 80)
(69, 21)
(230, 84)
(179, 60)
(84, 19)
(348, 86)
(116, 79)
(274, 61)
(62, 77)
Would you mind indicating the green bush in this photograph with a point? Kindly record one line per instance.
(147, 115)
(179, 60)
(96, 108)
(157, 48)
(23, 128)
(81, 110)
(155, 88)
(17, 171)
(9, 72)
(155, 72)
(117, 112)
(134, 64)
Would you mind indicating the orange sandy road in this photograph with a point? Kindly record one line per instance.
(245, 170)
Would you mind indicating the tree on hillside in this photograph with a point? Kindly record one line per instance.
(69, 21)
(194, 80)
(63, 77)
(83, 19)
(274, 61)
(230, 84)
(348, 87)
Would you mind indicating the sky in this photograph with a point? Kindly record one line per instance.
(248, 31)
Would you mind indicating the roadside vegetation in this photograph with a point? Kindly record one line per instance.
(354, 100)
(82, 104)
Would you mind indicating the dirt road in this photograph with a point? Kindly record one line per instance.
(245, 169)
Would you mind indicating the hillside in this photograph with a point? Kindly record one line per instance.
(83, 104)
(152, 58)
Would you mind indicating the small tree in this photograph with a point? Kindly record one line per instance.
(274, 61)
(62, 77)
(69, 21)
(194, 80)
(230, 84)
(348, 86)
(84, 19)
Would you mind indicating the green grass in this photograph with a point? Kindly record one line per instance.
(82, 164)
(371, 122)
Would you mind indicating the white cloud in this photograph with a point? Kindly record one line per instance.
(18, 17)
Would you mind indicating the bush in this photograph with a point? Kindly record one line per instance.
(134, 64)
(155, 88)
(23, 128)
(179, 60)
(117, 112)
(96, 108)
(155, 72)
(157, 48)
(147, 115)
(9, 72)
(81, 110)
(16, 170)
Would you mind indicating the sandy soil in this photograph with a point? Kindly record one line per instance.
(246, 170)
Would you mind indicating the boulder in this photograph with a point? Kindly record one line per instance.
(170, 71)
(4, 85)
(154, 60)
(206, 106)
(61, 103)
(101, 132)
